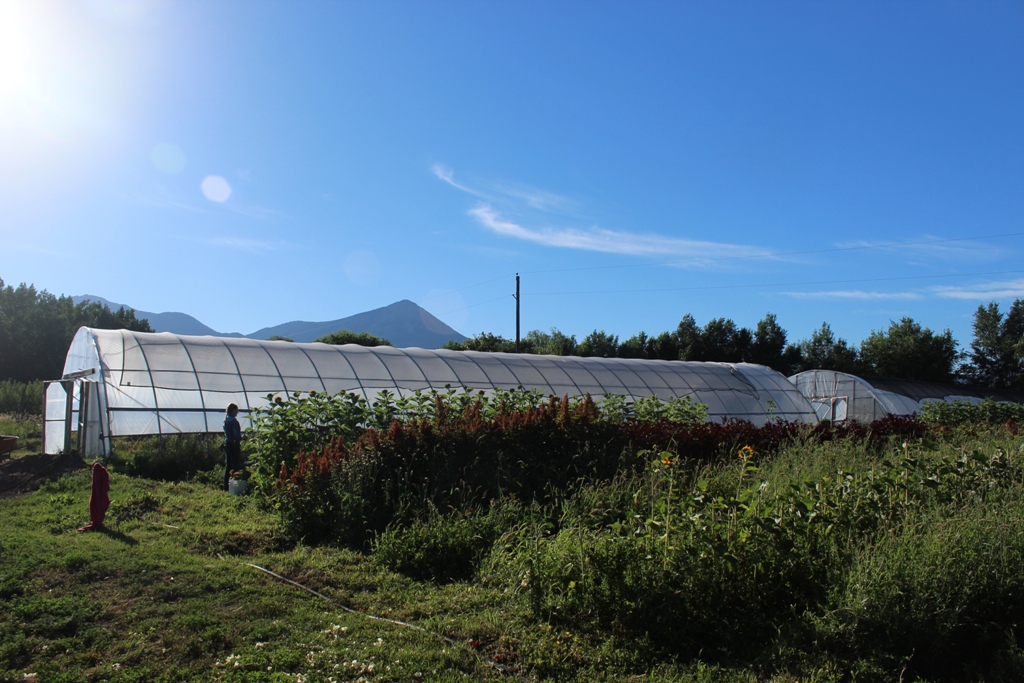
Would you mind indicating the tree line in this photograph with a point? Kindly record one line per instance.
(36, 329)
(905, 349)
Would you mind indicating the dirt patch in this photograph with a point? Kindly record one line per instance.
(21, 475)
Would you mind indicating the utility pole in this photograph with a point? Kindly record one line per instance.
(517, 312)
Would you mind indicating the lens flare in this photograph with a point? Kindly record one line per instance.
(215, 188)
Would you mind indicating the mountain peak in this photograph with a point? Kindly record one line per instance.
(403, 323)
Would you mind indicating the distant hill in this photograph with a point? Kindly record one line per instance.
(178, 323)
(403, 323)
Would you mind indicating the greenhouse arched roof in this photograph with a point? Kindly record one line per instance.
(838, 396)
(146, 383)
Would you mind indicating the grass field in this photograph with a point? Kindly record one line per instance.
(28, 429)
(167, 593)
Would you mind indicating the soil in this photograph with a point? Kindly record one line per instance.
(29, 472)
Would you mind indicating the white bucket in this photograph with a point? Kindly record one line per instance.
(236, 487)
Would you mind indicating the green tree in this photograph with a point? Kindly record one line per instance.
(349, 337)
(554, 343)
(909, 351)
(278, 337)
(485, 341)
(637, 346)
(720, 340)
(724, 342)
(769, 345)
(664, 347)
(825, 352)
(36, 329)
(599, 344)
(996, 358)
(688, 340)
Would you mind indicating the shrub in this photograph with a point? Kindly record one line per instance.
(179, 457)
(941, 599)
(444, 547)
(21, 397)
(960, 413)
(388, 476)
(288, 426)
(346, 469)
(722, 560)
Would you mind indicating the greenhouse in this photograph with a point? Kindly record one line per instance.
(123, 383)
(838, 396)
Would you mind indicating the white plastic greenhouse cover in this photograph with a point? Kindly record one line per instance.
(839, 396)
(170, 384)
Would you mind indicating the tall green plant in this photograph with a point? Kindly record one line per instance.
(21, 397)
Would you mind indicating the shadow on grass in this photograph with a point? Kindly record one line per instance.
(117, 535)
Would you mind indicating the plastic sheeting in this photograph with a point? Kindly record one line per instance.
(839, 396)
(172, 384)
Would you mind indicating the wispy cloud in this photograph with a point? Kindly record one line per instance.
(983, 291)
(932, 247)
(533, 197)
(530, 200)
(612, 241)
(854, 294)
(447, 175)
(537, 198)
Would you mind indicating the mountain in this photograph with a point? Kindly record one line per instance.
(403, 323)
(178, 323)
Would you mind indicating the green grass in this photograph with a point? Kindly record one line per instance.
(577, 589)
(28, 429)
(165, 594)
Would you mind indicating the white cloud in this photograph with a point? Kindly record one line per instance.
(447, 175)
(614, 242)
(853, 294)
(532, 197)
(537, 198)
(985, 291)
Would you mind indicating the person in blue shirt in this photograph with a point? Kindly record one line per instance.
(232, 443)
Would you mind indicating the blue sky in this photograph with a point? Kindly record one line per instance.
(252, 163)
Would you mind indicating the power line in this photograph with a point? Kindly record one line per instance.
(463, 289)
(481, 303)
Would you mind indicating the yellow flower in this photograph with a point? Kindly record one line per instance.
(667, 462)
(746, 452)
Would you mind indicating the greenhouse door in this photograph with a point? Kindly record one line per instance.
(73, 405)
(831, 408)
(839, 408)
